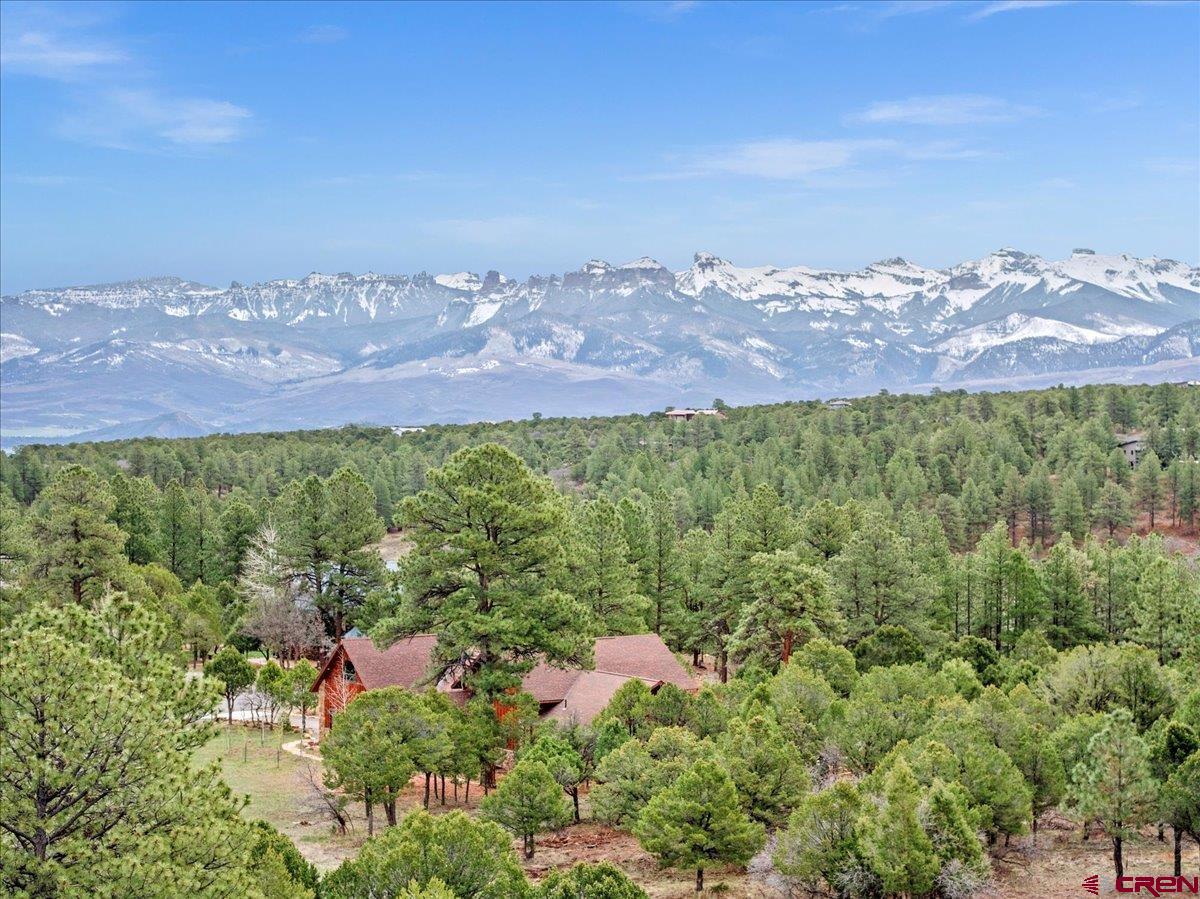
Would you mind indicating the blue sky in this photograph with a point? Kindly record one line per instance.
(241, 141)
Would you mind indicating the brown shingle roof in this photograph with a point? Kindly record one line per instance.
(406, 664)
(633, 655)
(589, 694)
(403, 664)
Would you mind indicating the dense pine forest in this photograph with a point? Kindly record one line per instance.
(923, 624)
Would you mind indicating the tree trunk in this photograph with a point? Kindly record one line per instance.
(230, 704)
(370, 818)
(1178, 851)
(723, 665)
(787, 647)
(529, 845)
(575, 800)
(699, 880)
(443, 789)
(1118, 860)
(389, 809)
(426, 790)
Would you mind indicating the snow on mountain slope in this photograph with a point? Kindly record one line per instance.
(819, 290)
(241, 355)
(14, 346)
(467, 281)
(129, 294)
(1141, 279)
(1014, 327)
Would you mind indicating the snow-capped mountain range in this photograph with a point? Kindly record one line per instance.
(160, 353)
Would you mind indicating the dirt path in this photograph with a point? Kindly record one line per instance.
(296, 747)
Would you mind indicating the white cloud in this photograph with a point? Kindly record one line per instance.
(781, 158)
(116, 103)
(943, 150)
(911, 7)
(944, 109)
(322, 34)
(662, 10)
(816, 163)
(44, 180)
(46, 55)
(144, 119)
(999, 6)
(1173, 165)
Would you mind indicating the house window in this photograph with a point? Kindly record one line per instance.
(349, 675)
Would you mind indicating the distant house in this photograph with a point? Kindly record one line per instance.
(839, 404)
(689, 414)
(1131, 445)
(401, 430)
(563, 694)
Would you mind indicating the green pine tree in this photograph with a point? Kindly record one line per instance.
(486, 570)
(893, 841)
(1113, 785)
(697, 822)
(528, 801)
(77, 552)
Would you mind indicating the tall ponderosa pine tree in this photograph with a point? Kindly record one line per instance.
(486, 570)
(77, 552)
(1113, 782)
(1068, 513)
(605, 579)
(355, 568)
(790, 605)
(876, 583)
(662, 562)
(1064, 579)
(1113, 508)
(177, 530)
(238, 525)
(1147, 484)
(1166, 609)
(133, 513)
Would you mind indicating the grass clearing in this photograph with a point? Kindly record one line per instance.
(254, 764)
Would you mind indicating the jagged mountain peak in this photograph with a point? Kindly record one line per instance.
(643, 263)
(405, 347)
(705, 259)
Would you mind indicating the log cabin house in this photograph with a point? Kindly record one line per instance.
(563, 694)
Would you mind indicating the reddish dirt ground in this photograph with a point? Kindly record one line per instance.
(1060, 861)
(589, 842)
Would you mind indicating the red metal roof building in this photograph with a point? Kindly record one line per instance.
(571, 694)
